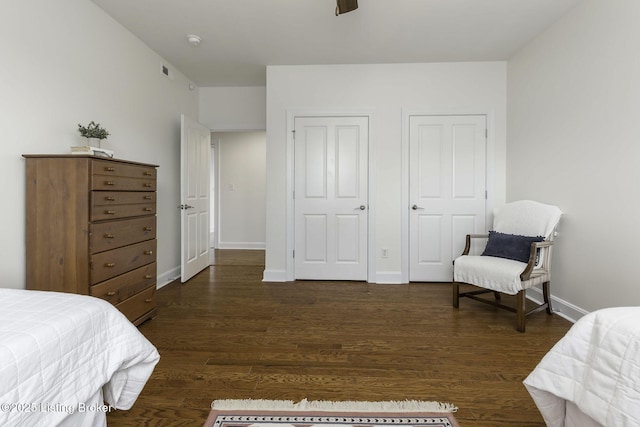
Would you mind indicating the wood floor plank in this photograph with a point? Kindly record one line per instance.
(225, 334)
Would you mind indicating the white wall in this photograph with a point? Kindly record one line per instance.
(66, 62)
(233, 108)
(241, 189)
(385, 91)
(574, 140)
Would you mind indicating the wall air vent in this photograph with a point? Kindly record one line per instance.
(166, 71)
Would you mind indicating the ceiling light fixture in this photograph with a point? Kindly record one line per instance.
(344, 6)
(194, 40)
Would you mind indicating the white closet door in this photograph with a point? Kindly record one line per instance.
(447, 191)
(331, 211)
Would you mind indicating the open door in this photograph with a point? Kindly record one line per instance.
(195, 157)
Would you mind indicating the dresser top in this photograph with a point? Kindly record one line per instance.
(83, 156)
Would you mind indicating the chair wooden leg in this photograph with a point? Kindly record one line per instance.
(456, 294)
(547, 297)
(520, 307)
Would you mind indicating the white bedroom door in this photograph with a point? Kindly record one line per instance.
(195, 158)
(331, 198)
(447, 191)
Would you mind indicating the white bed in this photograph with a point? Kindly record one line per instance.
(591, 377)
(67, 359)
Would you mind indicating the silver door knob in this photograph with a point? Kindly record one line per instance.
(362, 207)
(416, 207)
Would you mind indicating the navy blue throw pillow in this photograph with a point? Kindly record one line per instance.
(510, 246)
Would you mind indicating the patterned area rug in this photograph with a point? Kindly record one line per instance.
(285, 413)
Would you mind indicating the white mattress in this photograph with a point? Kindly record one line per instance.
(594, 367)
(57, 350)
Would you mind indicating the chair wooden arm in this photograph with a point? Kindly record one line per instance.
(532, 258)
(467, 246)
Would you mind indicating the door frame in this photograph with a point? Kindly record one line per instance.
(489, 171)
(292, 114)
(215, 195)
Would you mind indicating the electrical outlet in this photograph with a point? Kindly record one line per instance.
(384, 253)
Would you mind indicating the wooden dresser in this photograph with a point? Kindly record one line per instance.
(91, 229)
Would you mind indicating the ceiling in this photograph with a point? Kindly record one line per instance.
(241, 37)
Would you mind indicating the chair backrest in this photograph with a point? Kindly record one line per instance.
(527, 218)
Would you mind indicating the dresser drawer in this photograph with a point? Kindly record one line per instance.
(99, 213)
(120, 183)
(115, 169)
(126, 285)
(105, 265)
(105, 236)
(114, 198)
(139, 304)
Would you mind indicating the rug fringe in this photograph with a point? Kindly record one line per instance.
(326, 405)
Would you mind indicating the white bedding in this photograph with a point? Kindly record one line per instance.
(58, 350)
(596, 366)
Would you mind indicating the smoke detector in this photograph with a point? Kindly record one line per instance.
(194, 40)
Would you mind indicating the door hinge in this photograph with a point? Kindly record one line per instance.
(294, 254)
(486, 194)
(486, 133)
(293, 132)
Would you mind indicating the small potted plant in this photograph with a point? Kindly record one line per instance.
(93, 131)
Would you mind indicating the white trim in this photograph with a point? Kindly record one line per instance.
(238, 127)
(242, 245)
(274, 276)
(560, 307)
(389, 277)
(215, 147)
(167, 277)
(324, 405)
(490, 170)
(290, 219)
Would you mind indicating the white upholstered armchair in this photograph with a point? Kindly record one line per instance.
(516, 257)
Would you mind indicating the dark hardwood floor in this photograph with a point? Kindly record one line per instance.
(227, 335)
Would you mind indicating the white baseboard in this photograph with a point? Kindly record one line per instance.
(167, 277)
(388, 278)
(560, 307)
(274, 276)
(242, 245)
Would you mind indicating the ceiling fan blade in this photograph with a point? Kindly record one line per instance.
(345, 6)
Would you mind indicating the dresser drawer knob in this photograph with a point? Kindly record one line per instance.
(148, 300)
(148, 229)
(147, 197)
(110, 183)
(148, 173)
(109, 236)
(110, 264)
(111, 293)
(148, 276)
(110, 169)
(148, 185)
(110, 212)
(148, 252)
(110, 199)
(147, 209)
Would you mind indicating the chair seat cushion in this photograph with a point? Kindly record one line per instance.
(497, 274)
